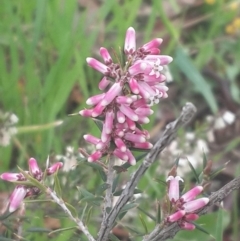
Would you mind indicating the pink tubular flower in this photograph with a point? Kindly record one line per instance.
(16, 198)
(128, 92)
(22, 191)
(183, 207)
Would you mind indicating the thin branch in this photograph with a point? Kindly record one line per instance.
(109, 182)
(164, 233)
(79, 223)
(168, 135)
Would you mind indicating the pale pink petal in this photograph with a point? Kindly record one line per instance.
(95, 99)
(176, 216)
(121, 155)
(95, 156)
(111, 94)
(155, 43)
(12, 177)
(131, 158)
(109, 121)
(103, 84)
(173, 191)
(16, 198)
(105, 55)
(187, 226)
(54, 168)
(194, 205)
(130, 41)
(126, 110)
(91, 139)
(33, 167)
(95, 64)
(120, 144)
(191, 194)
(134, 138)
(120, 117)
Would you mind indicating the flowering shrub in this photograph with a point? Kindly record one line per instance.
(129, 89)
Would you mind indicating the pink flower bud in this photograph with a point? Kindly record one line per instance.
(95, 156)
(176, 216)
(95, 99)
(155, 43)
(97, 110)
(133, 84)
(103, 84)
(187, 226)
(91, 139)
(16, 198)
(111, 94)
(194, 205)
(191, 217)
(134, 138)
(131, 158)
(144, 145)
(121, 155)
(12, 177)
(109, 121)
(131, 124)
(191, 194)
(124, 100)
(126, 110)
(120, 144)
(120, 117)
(95, 64)
(105, 55)
(54, 168)
(33, 167)
(86, 113)
(130, 41)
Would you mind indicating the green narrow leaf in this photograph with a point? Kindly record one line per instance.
(147, 214)
(219, 226)
(204, 160)
(88, 216)
(115, 183)
(85, 193)
(194, 171)
(101, 189)
(186, 66)
(143, 223)
(159, 218)
(200, 228)
(57, 186)
(71, 209)
(62, 230)
(38, 230)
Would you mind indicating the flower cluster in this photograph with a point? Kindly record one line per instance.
(7, 127)
(23, 191)
(184, 207)
(129, 90)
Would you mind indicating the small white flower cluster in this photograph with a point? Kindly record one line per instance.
(7, 127)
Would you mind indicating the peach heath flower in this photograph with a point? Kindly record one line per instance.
(22, 191)
(129, 91)
(184, 207)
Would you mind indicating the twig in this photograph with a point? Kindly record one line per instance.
(188, 112)
(109, 182)
(79, 223)
(162, 234)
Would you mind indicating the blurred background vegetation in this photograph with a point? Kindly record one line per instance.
(44, 78)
